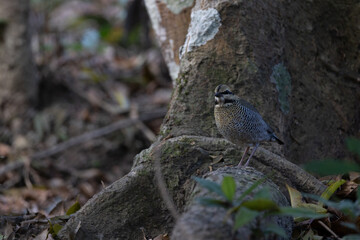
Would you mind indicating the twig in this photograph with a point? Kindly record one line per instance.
(158, 113)
(11, 167)
(134, 114)
(17, 219)
(96, 134)
(31, 221)
(83, 138)
(26, 173)
(328, 229)
(146, 131)
(112, 109)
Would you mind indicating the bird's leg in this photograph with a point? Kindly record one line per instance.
(252, 153)
(243, 156)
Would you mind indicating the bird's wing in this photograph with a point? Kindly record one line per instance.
(248, 105)
(252, 108)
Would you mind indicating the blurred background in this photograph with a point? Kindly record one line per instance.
(103, 92)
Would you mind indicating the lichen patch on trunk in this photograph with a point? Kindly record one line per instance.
(203, 27)
(155, 17)
(281, 77)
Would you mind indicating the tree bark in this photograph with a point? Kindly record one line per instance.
(133, 203)
(295, 61)
(18, 80)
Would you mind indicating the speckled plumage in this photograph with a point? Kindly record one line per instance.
(239, 122)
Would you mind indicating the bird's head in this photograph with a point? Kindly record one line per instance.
(224, 96)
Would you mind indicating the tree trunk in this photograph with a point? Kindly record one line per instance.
(296, 62)
(18, 81)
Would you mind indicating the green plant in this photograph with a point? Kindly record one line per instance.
(335, 166)
(57, 223)
(329, 212)
(244, 210)
(346, 211)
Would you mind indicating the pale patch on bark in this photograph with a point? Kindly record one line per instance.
(155, 17)
(174, 68)
(203, 27)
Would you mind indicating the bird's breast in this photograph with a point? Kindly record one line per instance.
(240, 125)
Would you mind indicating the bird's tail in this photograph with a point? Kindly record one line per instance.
(275, 138)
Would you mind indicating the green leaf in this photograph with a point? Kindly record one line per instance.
(331, 167)
(244, 216)
(300, 213)
(353, 144)
(209, 185)
(309, 235)
(274, 228)
(350, 225)
(263, 193)
(250, 189)
(228, 187)
(54, 229)
(347, 207)
(74, 208)
(329, 191)
(314, 207)
(351, 237)
(212, 202)
(260, 204)
(245, 193)
(57, 228)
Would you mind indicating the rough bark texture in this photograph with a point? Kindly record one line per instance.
(296, 61)
(18, 80)
(134, 202)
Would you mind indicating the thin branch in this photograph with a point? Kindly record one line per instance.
(124, 123)
(157, 113)
(146, 131)
(17, 219)
(11, 167)
(32, 221)
(134, 114)
(328, 229)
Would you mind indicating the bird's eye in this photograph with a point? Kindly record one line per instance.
(229, 101)
(227, 92)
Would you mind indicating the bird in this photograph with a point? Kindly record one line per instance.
(240, 123)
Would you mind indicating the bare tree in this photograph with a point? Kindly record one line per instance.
(18, 81)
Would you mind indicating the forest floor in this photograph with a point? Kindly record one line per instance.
(103, 93)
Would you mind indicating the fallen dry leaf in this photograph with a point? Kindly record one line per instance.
(4, 150)
(347, 190)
